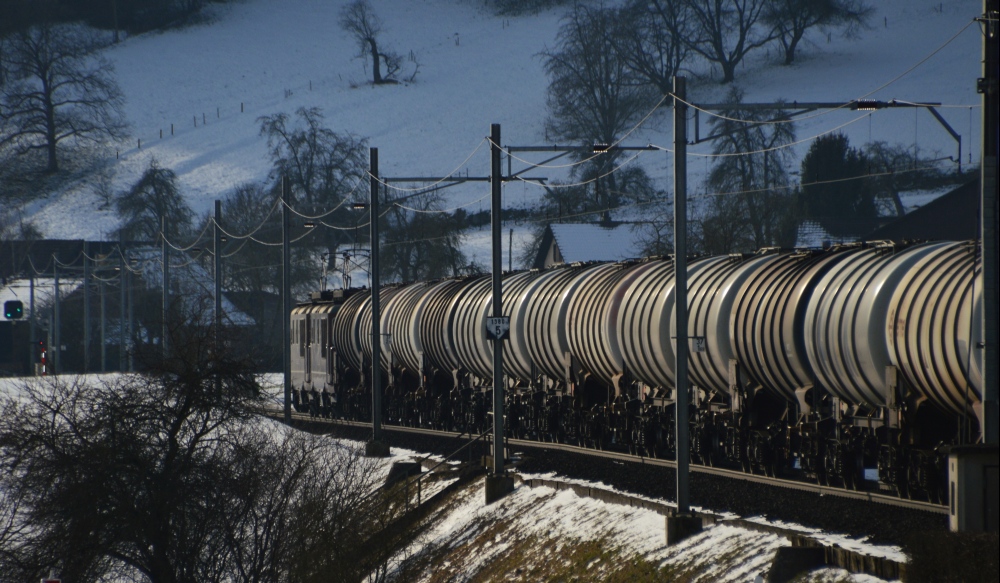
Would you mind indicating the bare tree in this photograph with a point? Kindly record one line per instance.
(322, 168)
(751, 170)
(793, 18)
(170, 477)
(594, 96)
(250, 208)
(720, 226)
(652, 40)
(321, 165)
(59, 91)
(151, 199)
(421, 241)
(897, 168)
(360, 20)
(15, 227)
(726, 31)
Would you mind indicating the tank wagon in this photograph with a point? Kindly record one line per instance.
(851, 366)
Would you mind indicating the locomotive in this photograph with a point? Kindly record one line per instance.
(852, 366)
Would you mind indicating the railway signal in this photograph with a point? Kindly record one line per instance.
(13, 310)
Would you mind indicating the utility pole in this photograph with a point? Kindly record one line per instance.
(683, 523)
(31, 320)
(86, 307)
(510, 250)
(972, 490)
(496, 188)
(122, 280)
(55, 349)
(104, 340)
(165, 259)
(680, 291)
(217, 265)
(376, 447)
(114, 18)
(286, 297)
(131, 320)
(498, 484)
(987, 86)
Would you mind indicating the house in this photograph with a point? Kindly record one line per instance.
(575, 242)
(953, 216)
(114, 316)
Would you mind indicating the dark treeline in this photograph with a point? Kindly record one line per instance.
(132, 16)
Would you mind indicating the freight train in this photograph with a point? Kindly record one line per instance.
(853, 366)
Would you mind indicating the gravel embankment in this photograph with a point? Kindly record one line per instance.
(881, 523)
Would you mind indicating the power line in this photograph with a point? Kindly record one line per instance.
(772, 149)
(588, 181)
(449, 176)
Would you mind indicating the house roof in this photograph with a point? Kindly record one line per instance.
(953, 216)
(592, 242)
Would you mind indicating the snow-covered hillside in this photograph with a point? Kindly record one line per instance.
(270, 56)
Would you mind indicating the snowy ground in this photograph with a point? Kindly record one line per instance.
(722, 552)
(270, 56)
(470, 537)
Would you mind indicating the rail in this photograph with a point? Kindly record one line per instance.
(697, 468)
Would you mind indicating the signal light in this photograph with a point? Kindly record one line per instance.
(13, 310)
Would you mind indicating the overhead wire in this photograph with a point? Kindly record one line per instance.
(342, 202)
(443, 211)
(771, 149)
(819, 182)
(263, 222)
(847, 104)
(446, 178)
(726, 193)
(588, 181)
(595, 155)
(192, 245)
(117, 276)
(70, 264)
(243, 243)
(31, 263)
(635, 127)
(190, 261)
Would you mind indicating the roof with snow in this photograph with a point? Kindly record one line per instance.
(951, 217)
(191, 283)
(811, 235)
(573, 242)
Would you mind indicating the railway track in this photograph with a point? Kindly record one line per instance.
(817, 489)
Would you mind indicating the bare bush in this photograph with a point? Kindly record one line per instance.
(171, 476)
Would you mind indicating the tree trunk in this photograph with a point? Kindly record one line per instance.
(728, 71)
(50, 132)
(376, 64)
(790, 47)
